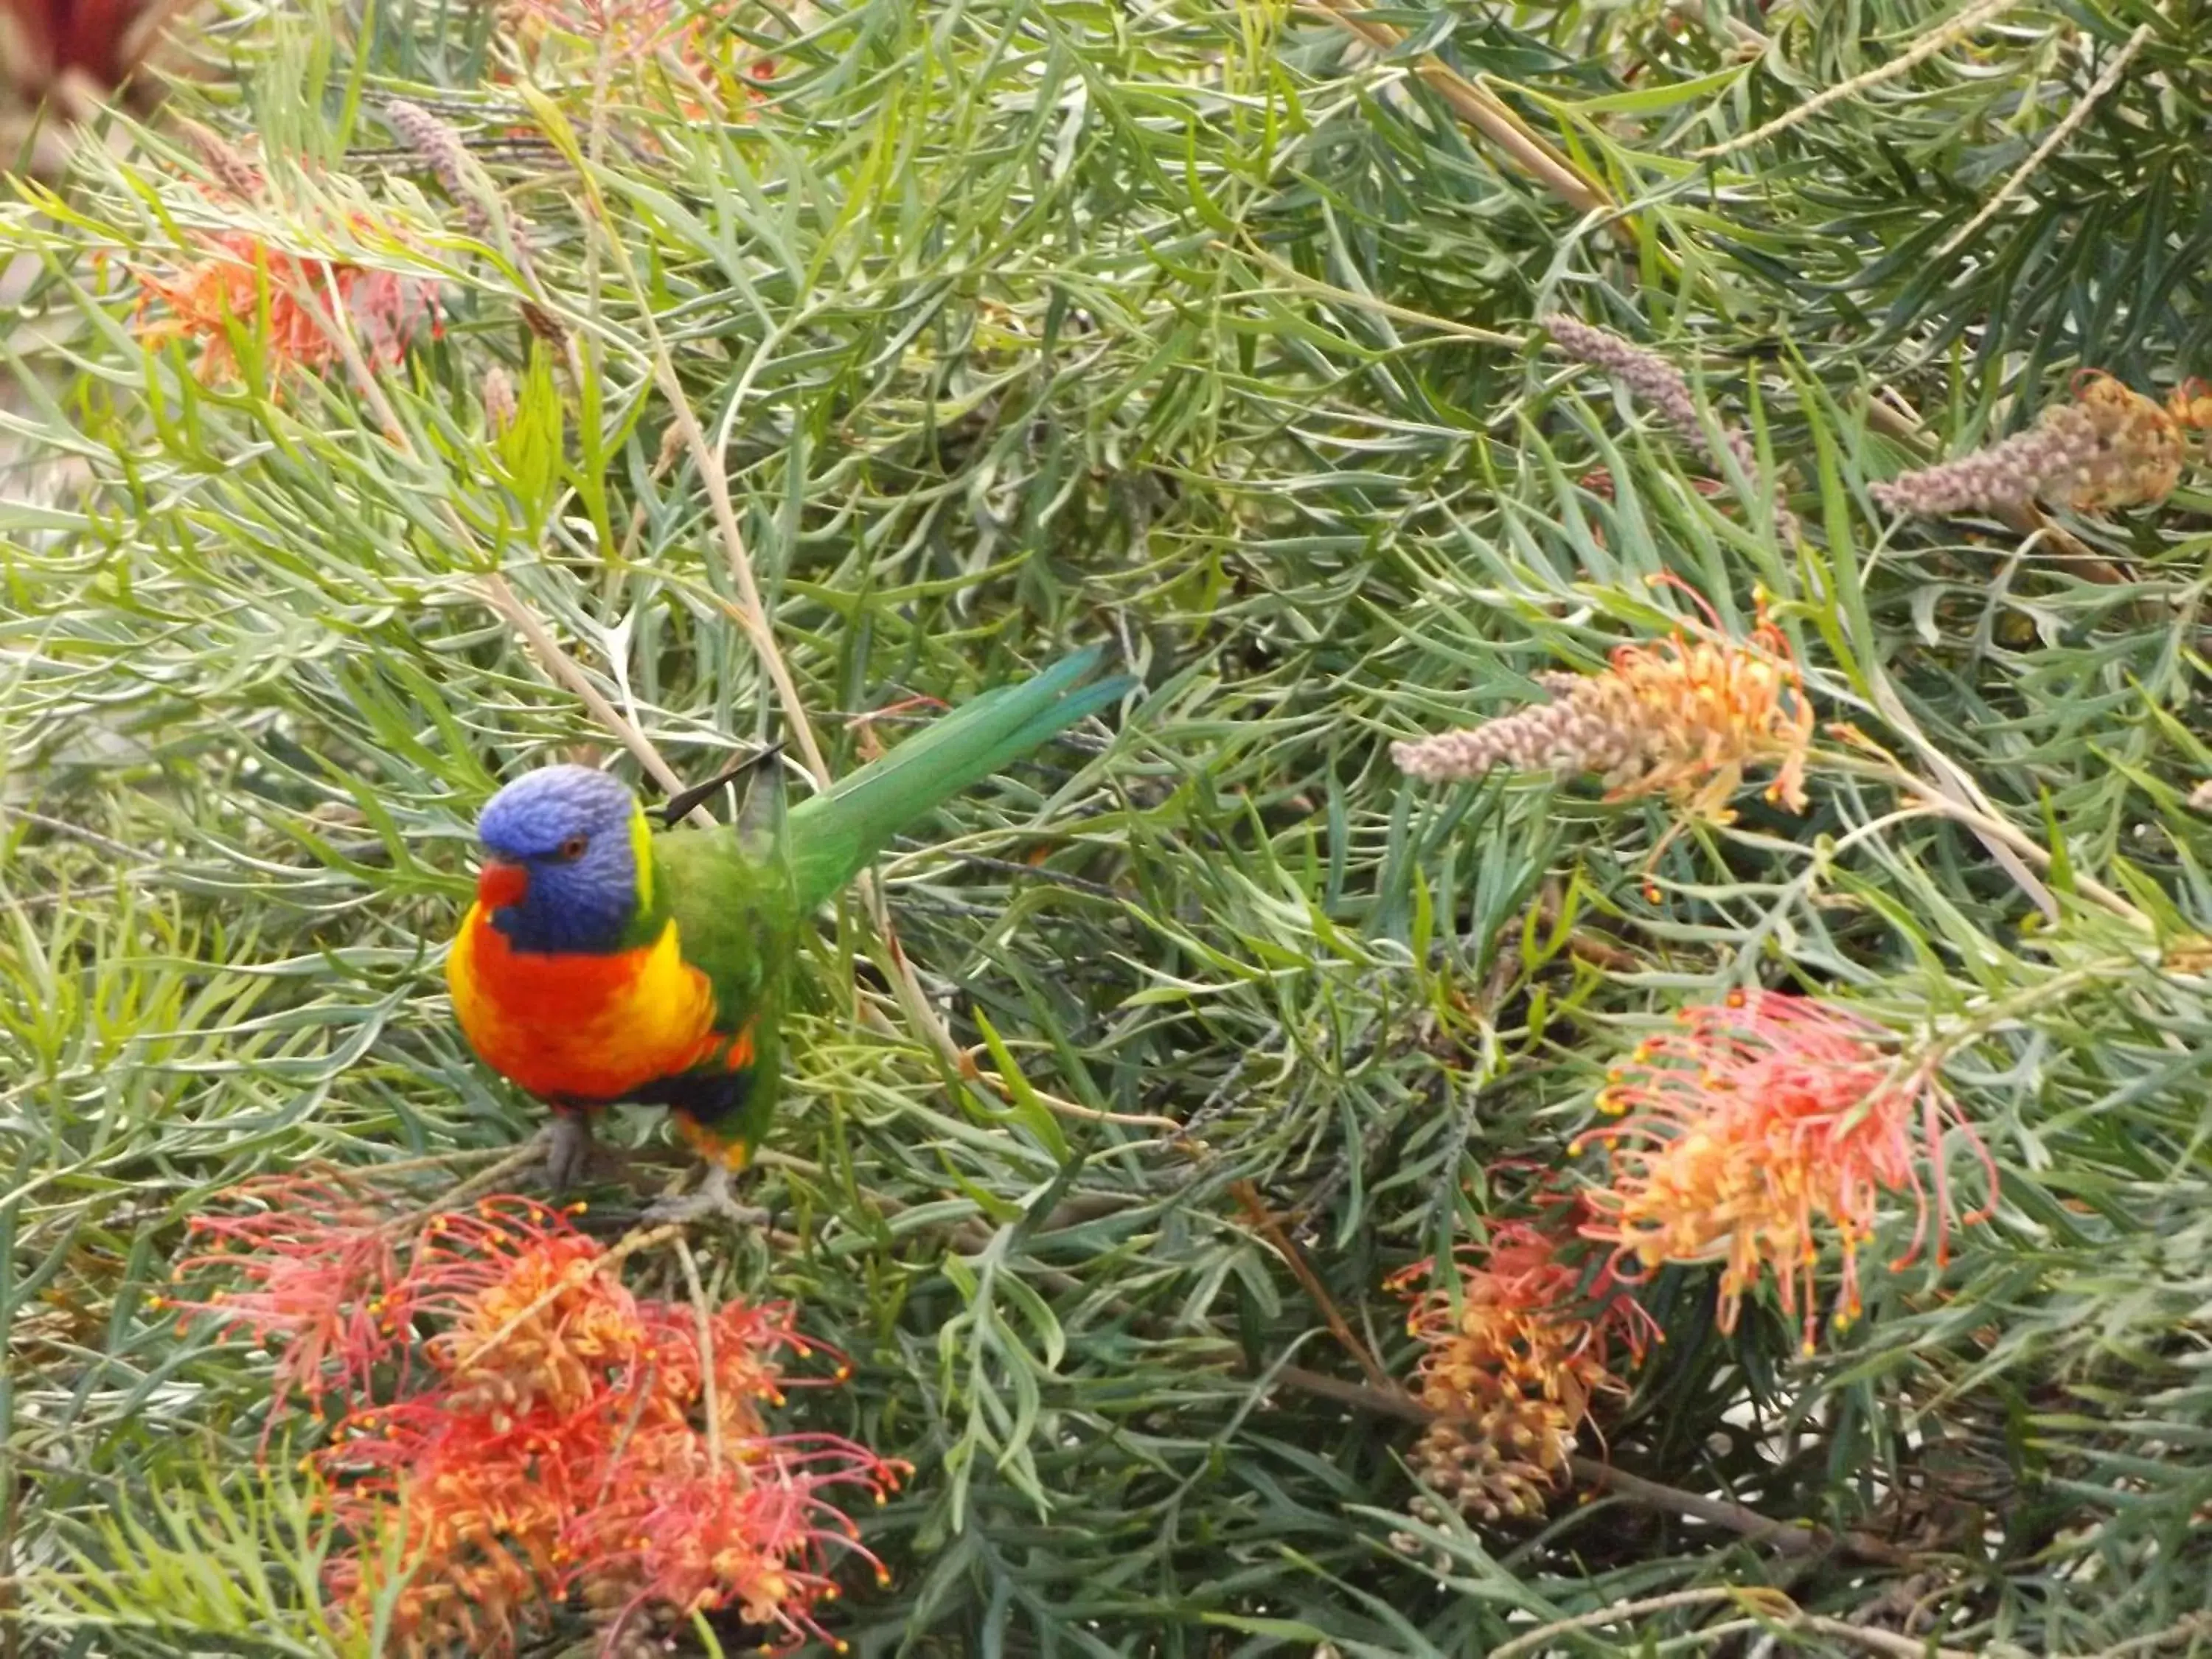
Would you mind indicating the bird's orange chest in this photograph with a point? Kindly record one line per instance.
(578, 1027)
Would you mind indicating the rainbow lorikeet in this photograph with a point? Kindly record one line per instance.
(605, 960)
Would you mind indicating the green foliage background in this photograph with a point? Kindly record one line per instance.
(1021, 323)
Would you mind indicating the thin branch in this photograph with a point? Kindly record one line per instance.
(1882, 1641)
(1054, 1103)
(712, 1397)
(752, 613)
(508, 604)
(1290, 273)
(1993, 831)
(1264, 1221)
(1927, 46)
(77, 832)
(2187, 1628)
(1622, 1611)
(2049, 146)
(1784, 1537)
(493, 589)
(1489, 115)
(1768, 1607)
(520, 1158)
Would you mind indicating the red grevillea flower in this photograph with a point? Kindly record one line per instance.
(563, 1445)
(1512, 1356)
(754, 1533)
(1764, 1121)
(319, 1267)
(554, 1435)
(293, 303)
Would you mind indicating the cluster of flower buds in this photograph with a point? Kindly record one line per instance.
(2110, 447)
(1514, 1349)
(1657, 383)
(1683, 718)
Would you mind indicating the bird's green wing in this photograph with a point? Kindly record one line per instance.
(834, 836)
(737, 915)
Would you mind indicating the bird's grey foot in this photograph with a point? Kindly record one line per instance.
(569, 1150)
(715, 1200)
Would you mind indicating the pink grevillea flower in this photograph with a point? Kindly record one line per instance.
(1761, 1123)
(318, 1271)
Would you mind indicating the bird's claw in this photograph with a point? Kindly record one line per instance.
(715, 1200)
(569, 1151)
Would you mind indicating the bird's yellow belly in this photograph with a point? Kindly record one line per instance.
(576, 1027)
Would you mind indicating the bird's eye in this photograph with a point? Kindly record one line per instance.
(572, 849)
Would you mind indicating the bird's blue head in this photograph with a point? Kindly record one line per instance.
(567, 861)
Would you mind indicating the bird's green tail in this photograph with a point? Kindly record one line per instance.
(834, 836)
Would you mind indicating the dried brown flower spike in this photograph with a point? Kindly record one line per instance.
(2110, 447)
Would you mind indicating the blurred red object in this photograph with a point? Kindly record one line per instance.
(45, 44)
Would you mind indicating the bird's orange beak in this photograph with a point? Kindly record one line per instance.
(500, 883)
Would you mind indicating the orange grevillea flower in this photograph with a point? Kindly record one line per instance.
(1684, 717)
(531, 1318)
(1761, 1123)
(1513, 1354)
(551, 1437)
(292, 303)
